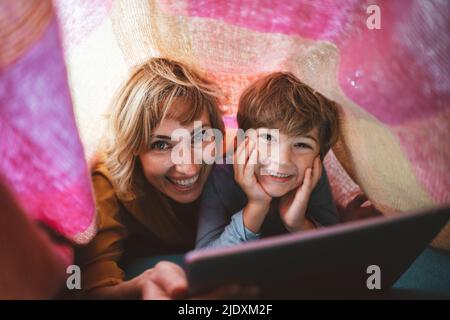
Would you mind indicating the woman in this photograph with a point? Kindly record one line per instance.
(146, 203)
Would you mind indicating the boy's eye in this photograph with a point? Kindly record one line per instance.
(160, 146)
(302, 145)
(267, 137)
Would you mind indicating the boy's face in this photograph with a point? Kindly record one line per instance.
(282, 172)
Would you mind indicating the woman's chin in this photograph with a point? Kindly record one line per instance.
(184, 197)
(184, 194)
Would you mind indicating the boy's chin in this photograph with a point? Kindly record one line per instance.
(277, 191)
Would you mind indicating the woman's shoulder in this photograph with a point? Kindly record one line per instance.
(223, 176)
(109, 205)
(101, 179)
(223, 183)
(100, 168)
(223, 171)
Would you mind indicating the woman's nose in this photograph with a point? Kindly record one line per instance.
(189, 169)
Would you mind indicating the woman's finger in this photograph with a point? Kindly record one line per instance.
(171, 278)
(151, 291)
(225, 292)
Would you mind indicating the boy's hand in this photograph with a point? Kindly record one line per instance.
(258, 204)
(245, 159)
(293, 205)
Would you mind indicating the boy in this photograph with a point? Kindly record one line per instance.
(265, 195)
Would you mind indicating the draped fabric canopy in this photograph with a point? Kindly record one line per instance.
(391, 83)
(41, 156)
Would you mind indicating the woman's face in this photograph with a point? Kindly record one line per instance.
(182, 182)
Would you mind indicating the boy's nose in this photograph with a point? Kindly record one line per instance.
(281, 157)
(284, 155)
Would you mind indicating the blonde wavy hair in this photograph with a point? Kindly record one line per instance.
(142, 103)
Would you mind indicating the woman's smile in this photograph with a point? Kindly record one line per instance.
(184, 183)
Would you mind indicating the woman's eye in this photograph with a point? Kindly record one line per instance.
(204, 135)
(160, 146)
(301, 145)
(208, 135)
(198, 137)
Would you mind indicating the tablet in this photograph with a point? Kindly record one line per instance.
(355, 259)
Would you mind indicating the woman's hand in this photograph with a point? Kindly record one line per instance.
(166, 281)
(293, 205)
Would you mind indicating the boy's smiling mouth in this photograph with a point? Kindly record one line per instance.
(276, 176)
